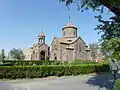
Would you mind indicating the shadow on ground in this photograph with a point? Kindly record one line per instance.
(103, 80)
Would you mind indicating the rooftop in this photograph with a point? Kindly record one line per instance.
(41, 34)
(70, 24)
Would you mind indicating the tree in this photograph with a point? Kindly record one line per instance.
(110, 38)
(96, 5)
(112, 47)
(16, 54)
(2, 55)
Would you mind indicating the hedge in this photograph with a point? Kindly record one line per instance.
(6, 64)
(77, 61)
(15, 72)
(46, 62)
(117, 85)
(32, 62)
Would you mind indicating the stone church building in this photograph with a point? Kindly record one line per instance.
(69, 47)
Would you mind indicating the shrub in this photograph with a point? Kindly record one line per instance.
(31, 62)
(5, 64)
(14, 72)
(77, 61)
(117, 85)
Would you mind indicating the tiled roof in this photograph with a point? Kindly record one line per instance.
(69, 24)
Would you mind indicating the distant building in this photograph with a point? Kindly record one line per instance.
(99, 56)
(28, 53)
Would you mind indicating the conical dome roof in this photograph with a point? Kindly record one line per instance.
(41, 34)
(69, 25)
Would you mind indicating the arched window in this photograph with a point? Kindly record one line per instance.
(63, 33)
(55, 57)
(74, 33)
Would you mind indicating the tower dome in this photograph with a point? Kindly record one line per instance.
(69, 25)
(69, 30)
(41, 34)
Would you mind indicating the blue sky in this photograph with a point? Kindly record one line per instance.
(22, 20)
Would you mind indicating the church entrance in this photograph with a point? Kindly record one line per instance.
(42, 55)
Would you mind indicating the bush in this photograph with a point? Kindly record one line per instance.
(117, 85)
(77, 61)
(47, 62)
(32, 62)
(5, 64)
(14, 72)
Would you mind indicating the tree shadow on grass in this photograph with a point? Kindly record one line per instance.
(103, 80)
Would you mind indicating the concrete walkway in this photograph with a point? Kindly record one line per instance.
(82, 82)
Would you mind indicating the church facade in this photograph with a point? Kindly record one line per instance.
(68, 47)
(39, 51)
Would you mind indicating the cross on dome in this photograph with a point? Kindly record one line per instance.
(41, 33)
(69, 24)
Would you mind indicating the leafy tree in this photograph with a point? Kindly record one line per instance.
(111, 35)
(112, 47)
(110, 38)
(2, 55)
(16, 54)
(94, 46)
(96, 5)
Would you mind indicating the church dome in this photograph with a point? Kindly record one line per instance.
(69, 25)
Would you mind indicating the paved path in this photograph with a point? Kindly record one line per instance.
(83, 82)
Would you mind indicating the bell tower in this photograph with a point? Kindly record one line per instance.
(41, 38)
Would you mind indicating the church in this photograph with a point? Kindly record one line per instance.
(67, 48)
(70, 46)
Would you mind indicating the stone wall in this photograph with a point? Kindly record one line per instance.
(55, 50)
(63, 52)
(80, 48)
(69, 32)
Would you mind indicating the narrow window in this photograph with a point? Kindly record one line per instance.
(79, 48)
(55, 58)
(63, 33)
(74, 33)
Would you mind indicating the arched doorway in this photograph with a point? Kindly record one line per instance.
(55, 57)
(42, 55)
